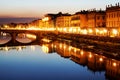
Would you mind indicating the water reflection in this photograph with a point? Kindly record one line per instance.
(45, 48)
(48, 48)
(92, 61)
(4, 38)
(21, 38)
(25, 38)
(18, 48)
(62, 49)
(32, 48)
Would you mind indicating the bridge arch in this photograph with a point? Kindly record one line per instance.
(15, 33)
(25, 37)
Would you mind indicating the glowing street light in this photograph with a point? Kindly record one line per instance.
(105, 30)
(97, 30)
(45, 19)
(82, 52)
(100, 59)
(70, 48)
(64, 46)
(90, 30)
(60, 45)
(84, 31)
(114, 64)
(64, 29)
(74, 30)
(70, 30)
(90, 55)
(114, 31)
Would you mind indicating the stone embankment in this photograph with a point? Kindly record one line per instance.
(99, 44)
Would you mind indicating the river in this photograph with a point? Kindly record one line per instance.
(58, 60)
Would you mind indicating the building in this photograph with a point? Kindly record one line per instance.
(40, 23)
(113, 15)
(49, 20)
(96, 18)
(34, 24)
(79, 19)
(22, 25)
(63, 21)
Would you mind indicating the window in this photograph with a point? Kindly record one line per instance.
(98, 17)
(98, 24)
(112, 15)
(103, 17)
(117, 14)
(103, 24)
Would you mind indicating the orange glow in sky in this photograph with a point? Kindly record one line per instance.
(37, 8)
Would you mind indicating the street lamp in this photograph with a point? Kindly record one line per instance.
(100, 59)
(114, 33)
(114, 64)
(70, 30)
(65, 30)
(90, 31)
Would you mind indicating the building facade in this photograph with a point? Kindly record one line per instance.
(96, 18)
(40, 23)
(34, 24)
(113, 15)
(79, 19)
(63, 21)
(48, 21)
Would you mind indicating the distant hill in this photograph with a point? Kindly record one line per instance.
(16, 20)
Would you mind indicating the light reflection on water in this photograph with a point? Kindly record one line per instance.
(62, 62)
(21, 38)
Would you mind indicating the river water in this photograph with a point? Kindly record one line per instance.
(57, 60)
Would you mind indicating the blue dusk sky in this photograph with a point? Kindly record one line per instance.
(37, 8)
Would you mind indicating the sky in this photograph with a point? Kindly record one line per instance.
(38, 8)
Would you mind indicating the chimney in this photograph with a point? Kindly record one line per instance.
(118, 5)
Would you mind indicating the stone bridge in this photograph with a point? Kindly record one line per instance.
(39, 33)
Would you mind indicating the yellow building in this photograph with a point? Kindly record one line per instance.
(96, 18)
(79, 19)
(48, 21)
(34, 24)
(113, 15)
(40, 23)
(63, 21)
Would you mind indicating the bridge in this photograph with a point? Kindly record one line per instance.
(14, 32)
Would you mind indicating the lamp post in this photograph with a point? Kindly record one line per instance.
(114, 33)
